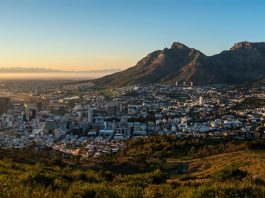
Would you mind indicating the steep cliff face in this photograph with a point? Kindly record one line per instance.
(244, 62)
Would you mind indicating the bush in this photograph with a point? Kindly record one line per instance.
(259, 182)
(38, 178)
(158, 177)
(230, 173)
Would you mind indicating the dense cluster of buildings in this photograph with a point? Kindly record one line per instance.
(78, 119)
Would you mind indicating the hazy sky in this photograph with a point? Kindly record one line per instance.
(98, 34)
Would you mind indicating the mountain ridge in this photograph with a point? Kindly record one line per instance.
(243, 62)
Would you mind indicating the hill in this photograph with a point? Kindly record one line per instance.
(163, 166)
(243, 63)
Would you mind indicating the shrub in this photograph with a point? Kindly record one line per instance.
(38, 178)
(229, 173)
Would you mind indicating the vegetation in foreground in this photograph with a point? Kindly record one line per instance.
(158, 166)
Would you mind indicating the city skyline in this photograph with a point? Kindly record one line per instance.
(85, 35)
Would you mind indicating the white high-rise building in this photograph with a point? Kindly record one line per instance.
(177, 83)
(200, 100)
(184, 84)
(191, 84)
(90, 115)
(26, 108)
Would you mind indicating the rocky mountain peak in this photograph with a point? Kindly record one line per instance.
(177, 45)
(246, 44)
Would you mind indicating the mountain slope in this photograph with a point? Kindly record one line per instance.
(244, 62)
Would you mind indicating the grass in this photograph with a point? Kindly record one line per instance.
(251, 161)
(202, 170)
(233, 173)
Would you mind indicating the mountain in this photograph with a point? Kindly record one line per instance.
(244, 62)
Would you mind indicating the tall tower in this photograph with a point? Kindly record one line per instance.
(184, 84)
(39, 106)
(191, 84)
(26, 109)
(90, 115)
(200, 100)
(177, 83)
(4, 104)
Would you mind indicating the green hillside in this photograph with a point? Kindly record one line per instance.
(158, 166)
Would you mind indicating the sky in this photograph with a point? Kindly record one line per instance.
(105, 34)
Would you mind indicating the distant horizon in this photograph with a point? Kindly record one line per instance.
(49, 70)
(50, 76)
(31, 73)
(20, 73)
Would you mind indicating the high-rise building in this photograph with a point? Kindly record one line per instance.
(184, 84)
(32, 113)
(61, 110)
(4, 104)
(26, 109)
(200, 100)
(177, 83)
(30, 110)
(39, 106)
(191, 84)
(124, 107)
(112, 110)
(90, 115)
